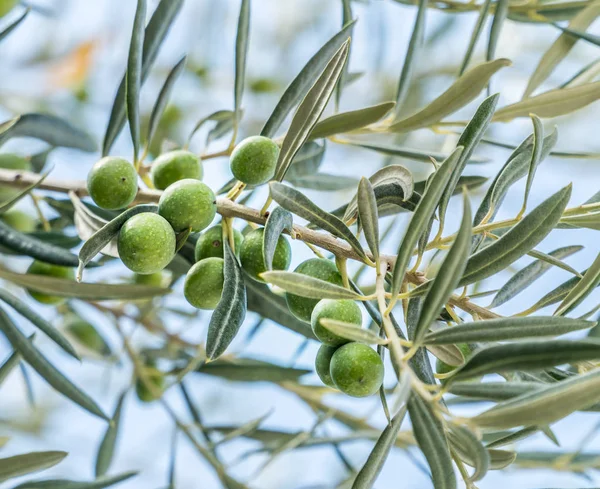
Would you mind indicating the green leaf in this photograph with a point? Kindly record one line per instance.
(513, 437)
(220, 116)
(557, 294)
(561, 47)
(367, 212)
(85, 291)
(250, 370)
(536, 156)
(544, 406)
(4, 206)
(304, 80)
(477, 29)
(470, 450)
(350, 121)
(500, 459)
(323, 181)
(298, 204)
(551, 104)
(448, 277)
(163, 98)
(244, 430)
(430, 437)
(11, 27)
(241, 52)
(48, 128)
(496, 28)
(38, 321)
(502, 329)
(7, 367)
(525, 277)
(307, 286)
(274, 307)
(42, 366)
(100, 483)
(465, 89)
(584, 287)
(133, 78)
(527, 355)
(231, 310)
(353, 332)
(412, 54)
(421, 217)
(591, 38)
(27, 463)
(469, 139)
(492, 391)
(25, 244)
(154, 35)
(101, 238)
(107, 446)
(308, 160)
(347, 17)
(519, 240)
(367, 475)
(309, 111)
(279, 220)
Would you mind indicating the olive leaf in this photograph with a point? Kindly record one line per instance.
(557, 294)
(323, 181)
(526, 276)
(367, 212)
(544, 406)
(133, 78)
(502, 329)
(500, 13)
(447, 279)
(350, 121)
(241, 53)
(304, 80)
(11, 27)
(347, 17)
(465, 89)
(352, 332)
(153, 37)
(230, 312)
(536, 155)
(309, 111)
(527, 355)
(4, 206)
(9, 364)
(420, 218)
(307, 286)
(367, 475)
(308, 160)
(100, 483)
(477, 29)
(220, 117)
(513, 437)
(561, 47)
(42, 366)
(163, 98)
(251, 370)
(430, 437)
(48, 128)
(520, 239)
(492, 391)
(278, 221)
(470, 450)
(27, 463)
(298, 204)
(101, 238)
(590, 280)
(412, 54)
(38, 321)
(107, 446)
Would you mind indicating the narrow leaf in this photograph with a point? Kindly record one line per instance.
(470, 450)
(11, 27)
(133, 78)
(536, 156)
(100, 483)
(4, 206)
(241, 52)
(367, 212)
(250, 370)
(584, 287)
(7, 367)
(27, 463)
(279, 220)
(307, 286)
(477, 30)
(219, 116)
(353, 332)
(350, 121)
(107, 446)
(496, 28)
(231, 310)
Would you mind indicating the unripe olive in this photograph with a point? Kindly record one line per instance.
(323, 363)
(342, 310)
(88, 336)
(112, 183)
(171, 167)
(356, 370)
(251, 254)
(155, 378)
(204, 283)
(146, 243)
(6, 6)
(442, 367)
(302, 307)
(19, 220)
(254, 159)
(188, 204)
(210, 243)
(49, 270)
(156, 279)
(10, 161)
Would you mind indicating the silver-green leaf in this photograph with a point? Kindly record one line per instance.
(307, 286)
(279, 220)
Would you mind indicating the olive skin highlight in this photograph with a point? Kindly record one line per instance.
(356, 370)
(251, 254)
(188, 204)
(112, 183)
(203, 285)
(49, 270)
(344, 310)
(254, 159)
(173, 166)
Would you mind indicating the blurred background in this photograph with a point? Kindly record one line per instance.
(68, 59)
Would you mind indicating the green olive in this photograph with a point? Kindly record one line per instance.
(251, 254)
(254, 159)
(187, 204)
(156, 279)
(341, 310)
(112, 183)
(204, 283)
(49, 270)
(88, 336)
(11, 161)
(302, 307)
(6, 6)
(442, 367)
(210, 243)
(356, 370)
(323, 363)
(155, 378)
(19, 220)
(171, 167)
(146, 243)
